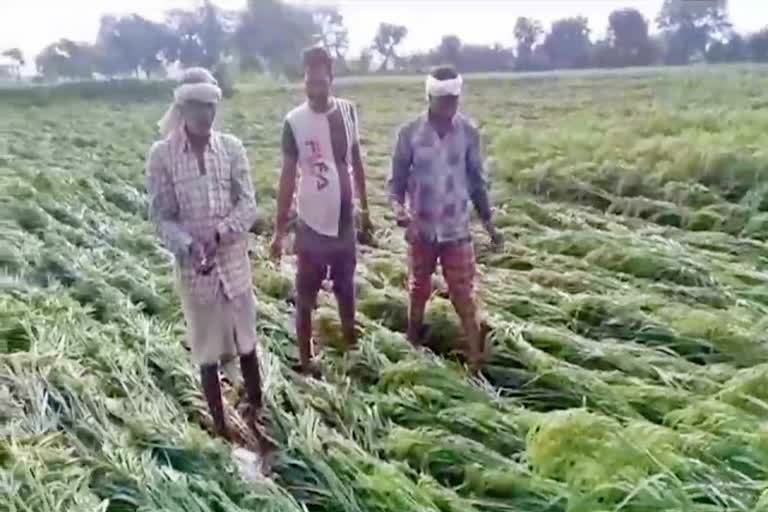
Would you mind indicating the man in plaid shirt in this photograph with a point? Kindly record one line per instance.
(202, 203)
(437, 163)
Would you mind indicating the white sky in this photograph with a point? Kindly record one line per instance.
(32, 24)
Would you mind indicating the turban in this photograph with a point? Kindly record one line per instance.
(205, 92)
(435, 87)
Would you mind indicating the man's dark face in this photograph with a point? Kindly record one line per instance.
(199, 116)
(444, 107)
(317, 83)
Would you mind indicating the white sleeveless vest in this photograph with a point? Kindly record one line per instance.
(318, 190)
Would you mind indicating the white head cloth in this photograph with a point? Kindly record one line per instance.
(435, 87)
(197, 84)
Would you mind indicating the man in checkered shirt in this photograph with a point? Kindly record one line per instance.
(202, 203)
(437, 163)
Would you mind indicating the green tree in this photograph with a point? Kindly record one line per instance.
(132, 44)
(735, 49)
(331, 33)
(17, 55)
(273, 34)
(568, 44)
(628, 38)
(201, 37)
(449, 50)
(758, 46)
(67, 59)
(365, 60)
(527, 33)
(110, 56)
(483, 58)
(421, 62)
(388, 38)
(690, 25)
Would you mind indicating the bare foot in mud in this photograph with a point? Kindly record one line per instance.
(222, 433)
(419, 339)
(485, 345)
(267, 449)
(259, 425)
(310, 370)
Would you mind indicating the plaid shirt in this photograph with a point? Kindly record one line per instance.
(186, 204)
(440, 177)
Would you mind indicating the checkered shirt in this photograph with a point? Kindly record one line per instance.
(186, 204)
(439, 177)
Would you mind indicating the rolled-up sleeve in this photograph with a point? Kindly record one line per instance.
(476, 181)
(163, 207)
(243, 214)
(401, 167)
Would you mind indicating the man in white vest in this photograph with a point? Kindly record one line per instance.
(321, 147)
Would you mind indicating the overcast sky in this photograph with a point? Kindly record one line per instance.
(31, 24)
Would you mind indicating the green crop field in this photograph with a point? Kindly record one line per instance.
(629, 368)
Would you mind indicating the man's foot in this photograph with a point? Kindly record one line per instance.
(259, 425)
(311, 369)
(419, 336)
(212, 391)
(413, 339)
(222, 431)
(475, 360)
(316, 345)
(474, 368)
(350, 343)
(265, 465)
(485, 346)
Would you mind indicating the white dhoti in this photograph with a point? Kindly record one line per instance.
(221, 330)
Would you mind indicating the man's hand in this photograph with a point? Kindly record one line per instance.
(402, 217)
(497, 240)
(202, 256)
(211, 245)
(276, 248)
(365, 235)
(366, 226)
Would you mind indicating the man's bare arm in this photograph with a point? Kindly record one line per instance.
(476, 177)
(287, 186)
(478, 186)
(358, 171)
(402, 158)
(285, 193)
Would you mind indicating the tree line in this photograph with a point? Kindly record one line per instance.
(268, 36)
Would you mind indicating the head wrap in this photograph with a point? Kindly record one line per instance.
(197, 84)
(435, 87)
